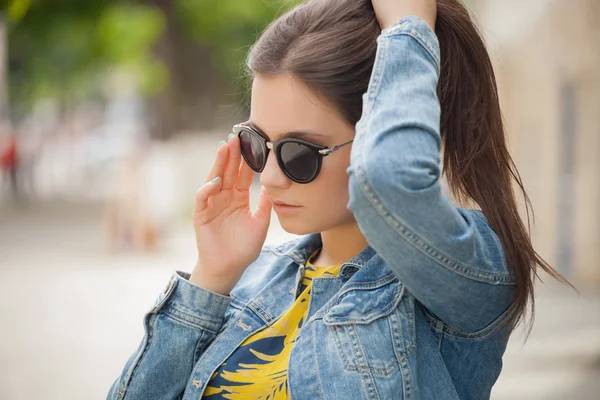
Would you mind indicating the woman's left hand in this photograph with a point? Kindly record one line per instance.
(390, 11)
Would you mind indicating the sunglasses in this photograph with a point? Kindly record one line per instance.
(298, 159)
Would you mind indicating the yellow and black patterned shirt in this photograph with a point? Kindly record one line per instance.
(258, 368)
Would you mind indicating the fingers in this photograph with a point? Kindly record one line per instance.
(233, 163)
(263, 211)
(210, 188)
(245, 177)
(230, 167)
(218, 168)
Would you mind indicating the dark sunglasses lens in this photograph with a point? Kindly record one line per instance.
(252, 150)
(299, 160)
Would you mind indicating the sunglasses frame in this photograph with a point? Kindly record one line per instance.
(319, 150)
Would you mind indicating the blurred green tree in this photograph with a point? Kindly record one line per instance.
(204, 46)
(63, 49)
(186, 54)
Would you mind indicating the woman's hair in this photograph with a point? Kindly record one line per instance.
(330, 46)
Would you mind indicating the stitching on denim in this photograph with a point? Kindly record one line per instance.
(407, 308)
(478, 214)
(453, 332)
(481, 334)
(194, 321)
(366, 318)
(389, 278)
(434, 323)
(376, 73)
(266, 317)
(179, 318)
(406, 25)
(341, 352)
(421, 244)
(192, 311)
(423, 42)
(315, 352)
(199, 347)
(405, 346)
(237, 303)
(406, 372)
(369, 317)
(350, 364)
(358, 352)
(149, 323)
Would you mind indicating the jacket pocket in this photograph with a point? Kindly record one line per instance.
(372, 326)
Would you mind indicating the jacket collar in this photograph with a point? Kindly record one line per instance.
(302, 248)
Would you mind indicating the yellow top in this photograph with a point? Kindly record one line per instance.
(258, 368)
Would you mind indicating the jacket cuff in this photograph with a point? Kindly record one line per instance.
(417, 28)
(192, 304)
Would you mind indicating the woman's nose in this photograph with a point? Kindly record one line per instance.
(272, 175)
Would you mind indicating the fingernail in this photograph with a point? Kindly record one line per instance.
(230, 136)
(214, 180)
(222, 142)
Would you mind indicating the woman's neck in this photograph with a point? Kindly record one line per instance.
(340, 244)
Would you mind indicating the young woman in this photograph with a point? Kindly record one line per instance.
(392, 291)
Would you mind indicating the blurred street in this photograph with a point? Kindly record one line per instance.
(72, 312)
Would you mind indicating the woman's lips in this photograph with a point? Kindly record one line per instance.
(285, 208)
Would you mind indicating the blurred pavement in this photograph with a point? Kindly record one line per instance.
(72, 312)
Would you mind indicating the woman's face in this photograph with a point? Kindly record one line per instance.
(283, 104)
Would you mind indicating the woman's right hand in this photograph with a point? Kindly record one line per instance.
(229, 236)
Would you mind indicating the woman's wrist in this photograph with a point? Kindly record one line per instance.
(217, 285)
(390, 11)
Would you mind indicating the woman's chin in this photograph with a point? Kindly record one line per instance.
(294, 226)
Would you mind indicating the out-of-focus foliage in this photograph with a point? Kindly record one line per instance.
(64, 48)
(16, 9)
(230, 27)
(126, 34)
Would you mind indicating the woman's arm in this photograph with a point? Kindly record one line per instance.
(447, 257)
(181, 324)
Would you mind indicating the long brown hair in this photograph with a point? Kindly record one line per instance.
(330, 45)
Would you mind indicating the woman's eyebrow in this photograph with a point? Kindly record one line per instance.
(295, 134)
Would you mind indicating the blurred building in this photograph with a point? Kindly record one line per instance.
(547, 60)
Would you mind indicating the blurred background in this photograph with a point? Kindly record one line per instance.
(110, 114)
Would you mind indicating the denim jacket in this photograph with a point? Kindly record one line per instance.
(413, 316)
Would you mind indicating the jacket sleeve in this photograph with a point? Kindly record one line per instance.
(183, 321)
(449, 258)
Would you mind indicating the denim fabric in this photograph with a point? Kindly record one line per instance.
(413, 316)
